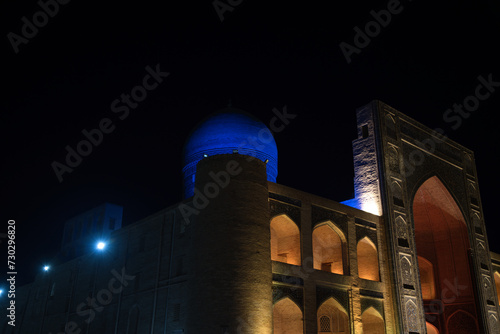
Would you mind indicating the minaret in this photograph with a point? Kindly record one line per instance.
(230, 289)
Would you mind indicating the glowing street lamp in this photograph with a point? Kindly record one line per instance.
(100, 245)
(46, 268)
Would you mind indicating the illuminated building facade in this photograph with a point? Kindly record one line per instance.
(243, 254)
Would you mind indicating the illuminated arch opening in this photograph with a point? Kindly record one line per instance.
(287, 318)
(285, 240)
(368, 260)
(373, 322)
(332, 318)
(442, 240)
(328, 248)
(427, 281)
(497, 284)
(431, 329)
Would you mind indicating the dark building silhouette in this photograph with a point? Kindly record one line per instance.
(243, 254)
(82, 232)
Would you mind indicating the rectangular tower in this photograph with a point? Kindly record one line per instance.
(400, 167)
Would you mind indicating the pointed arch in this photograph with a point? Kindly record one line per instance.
(285, 240)
(368, 267)
(397, 193)
(407, 270)
(435, 180)
(442, 239)
(329, 248)
(393, 155)
(373, 322)
(332, 317)
(411, 314)
(390, 124)
(287, 317)
(401, 227)
(493, 320)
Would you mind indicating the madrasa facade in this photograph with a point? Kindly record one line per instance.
(244, 254)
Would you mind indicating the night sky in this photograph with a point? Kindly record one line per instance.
(261, 56)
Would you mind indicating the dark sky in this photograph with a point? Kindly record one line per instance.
(261, 56)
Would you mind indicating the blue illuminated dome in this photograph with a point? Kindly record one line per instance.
(224, 132)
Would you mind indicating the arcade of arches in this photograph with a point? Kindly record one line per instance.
(329, 248)
(329, 254)
(331, 318)
(442, 242)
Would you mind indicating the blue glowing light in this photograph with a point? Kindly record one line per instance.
(46, 268)
(229, 131)
(100, 245)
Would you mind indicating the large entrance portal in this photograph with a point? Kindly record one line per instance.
(445, 270)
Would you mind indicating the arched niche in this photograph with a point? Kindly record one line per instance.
(285, 240)
(368, 267)
(328, 248)
(442, 239)
(332, 317)
(373, 322)
(287, 317)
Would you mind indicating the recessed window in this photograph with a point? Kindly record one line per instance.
(324, 324)
(285, 240)
(287, 317)
(328, 249)
(332, 317)
(368, 260)
(364, 130)
(373, 322)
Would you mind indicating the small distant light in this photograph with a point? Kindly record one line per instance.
(46, 268)
(101, 245)
(235, 151)
(205, 155)
(267, 160)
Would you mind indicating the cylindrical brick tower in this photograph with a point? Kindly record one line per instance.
(230, 286)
